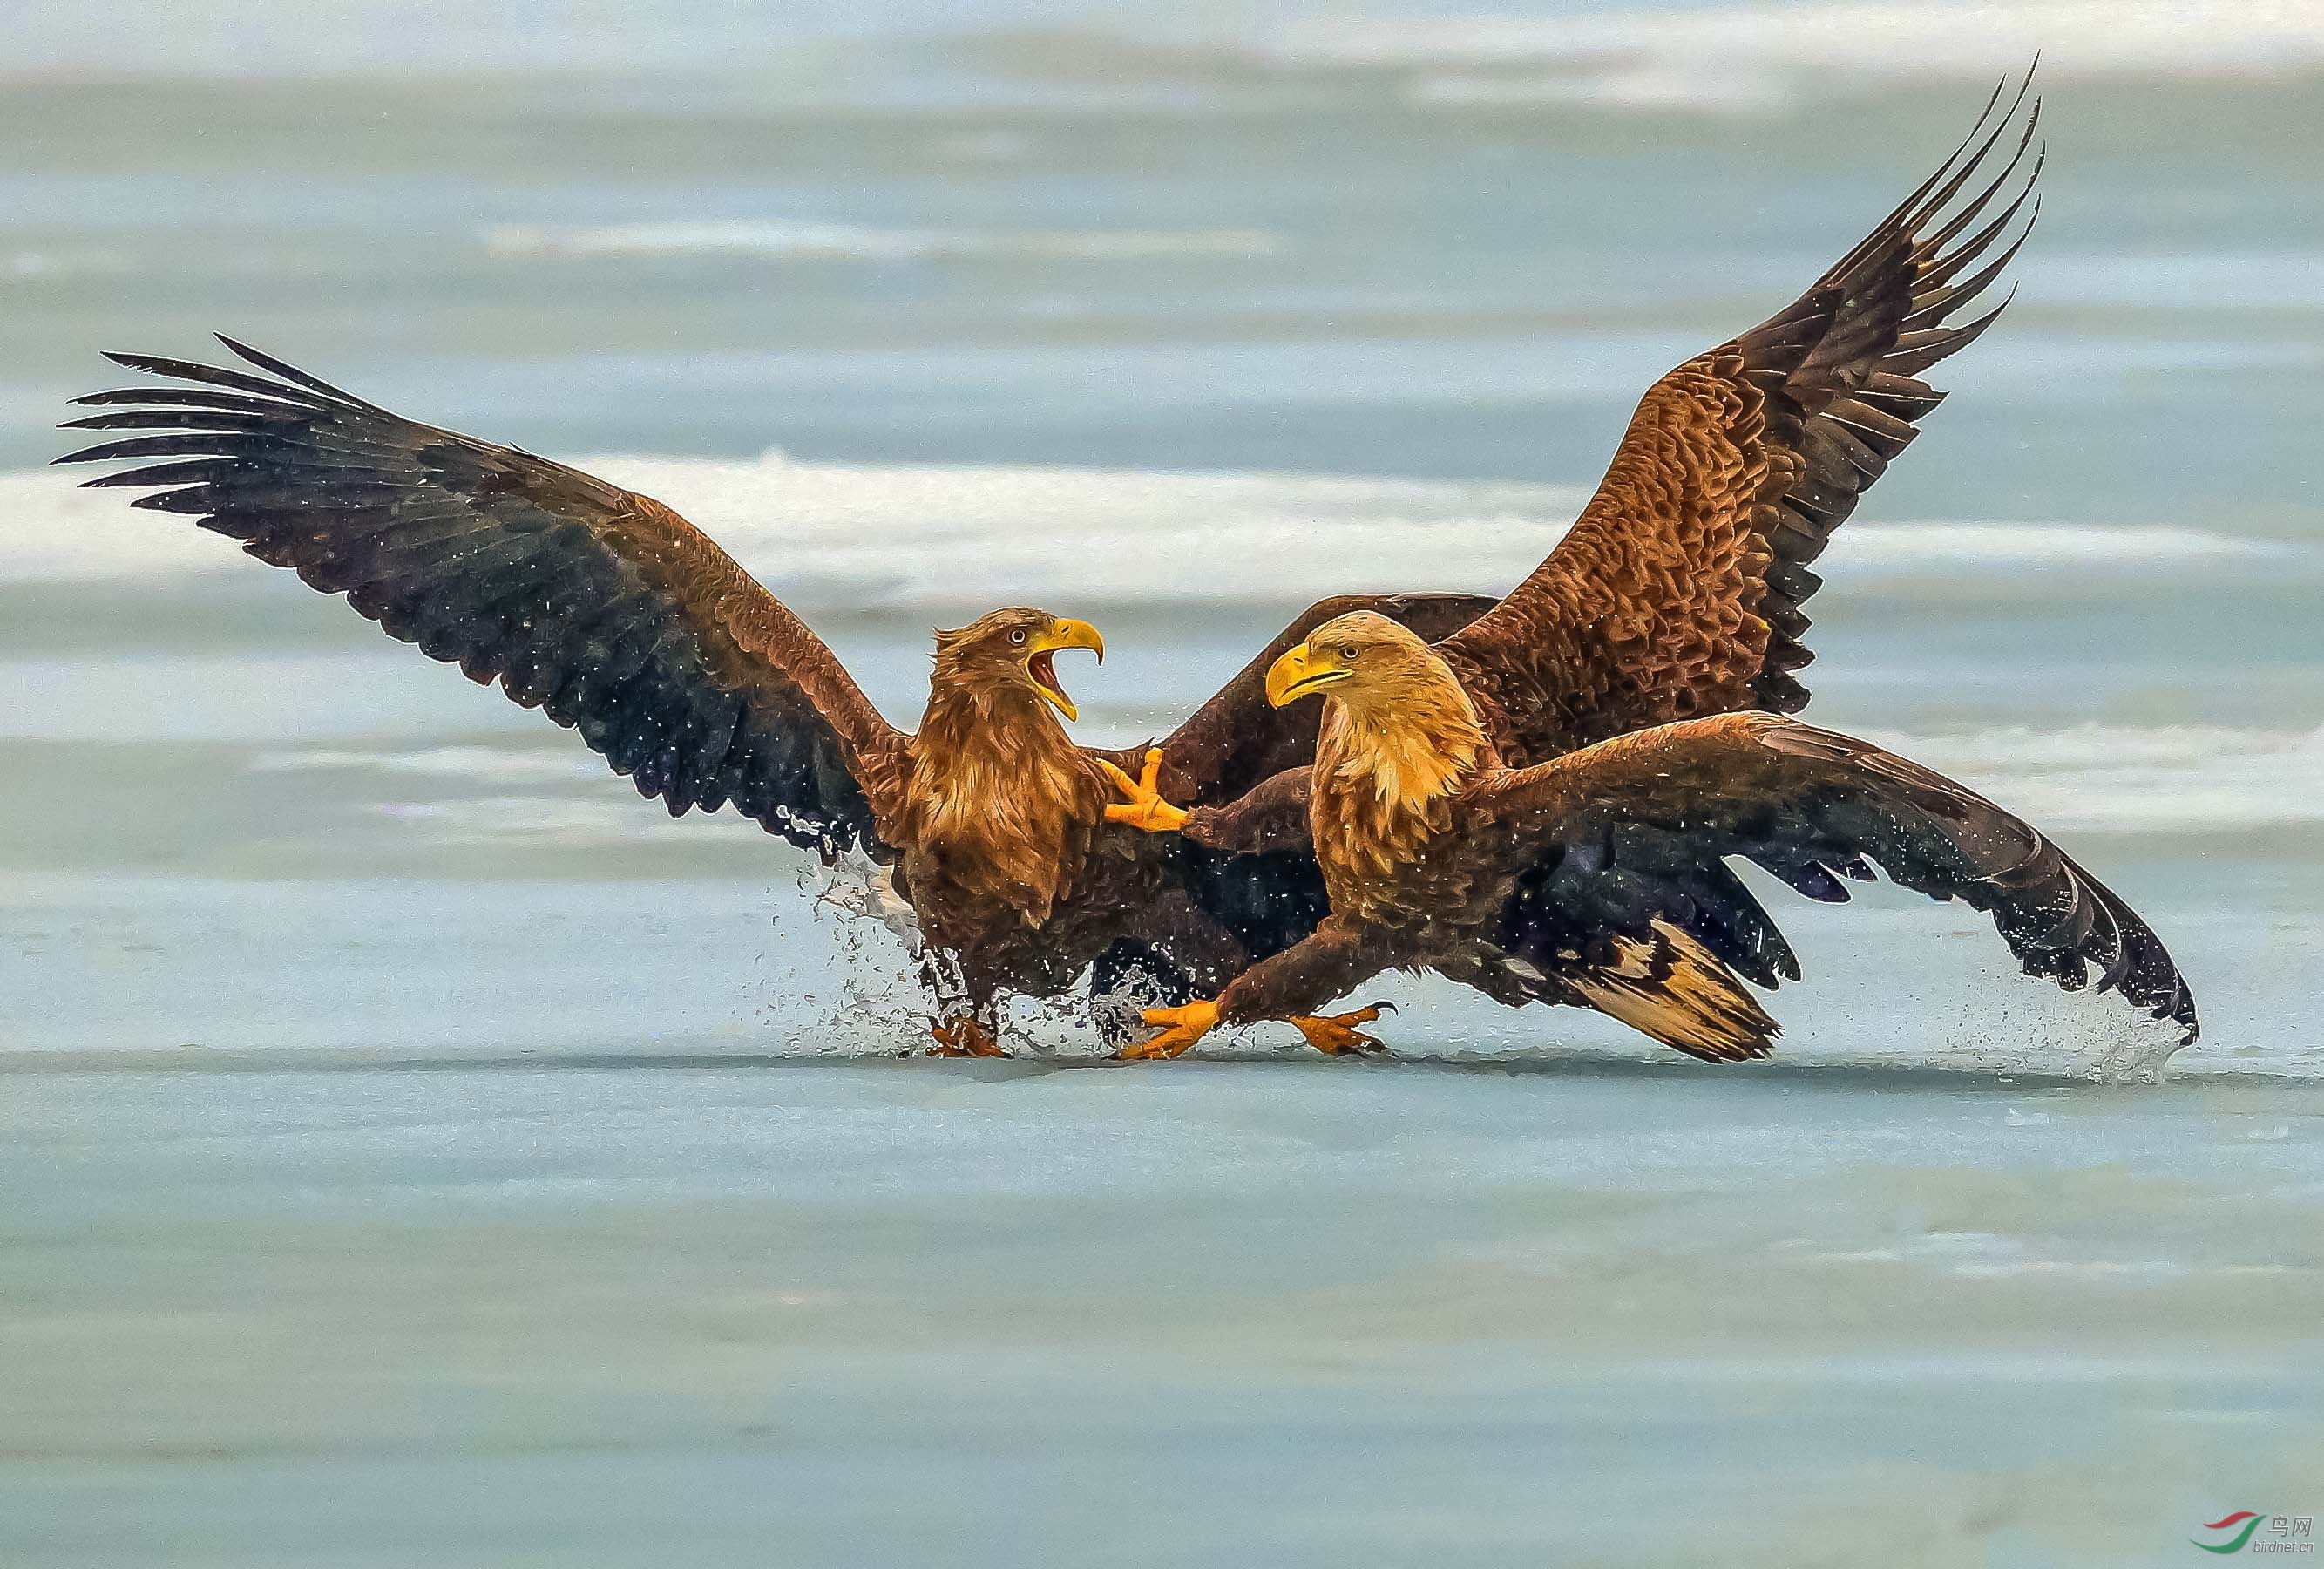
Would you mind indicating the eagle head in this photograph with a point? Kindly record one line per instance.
(1008, 651)
(1364, 660)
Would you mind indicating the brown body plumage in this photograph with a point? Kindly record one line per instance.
(1592, 879)
(614, 616)
(1383, 782)
(1001, 806)
(1677, 595)
(1432, 895)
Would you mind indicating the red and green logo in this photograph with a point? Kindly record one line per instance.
(2243, 1523)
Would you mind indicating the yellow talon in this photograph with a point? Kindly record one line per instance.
(1183, 1027)
(1143, 806)
(963, 1038)
(1336, 1035)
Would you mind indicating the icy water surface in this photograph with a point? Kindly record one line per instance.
(417, 1150)
(600, 1309)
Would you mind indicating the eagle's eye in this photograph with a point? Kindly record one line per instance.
(1017, 636)
(1348, 654)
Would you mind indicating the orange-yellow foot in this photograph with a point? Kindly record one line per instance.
(963, 1038)
(1142, 805)
(1182, 1027)
(1336, 1035)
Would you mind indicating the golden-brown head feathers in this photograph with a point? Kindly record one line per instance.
(1399, 737)
(1401, 716)
(1364, 660)
(1005, 655)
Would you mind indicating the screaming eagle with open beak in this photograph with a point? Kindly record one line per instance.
(615, 616)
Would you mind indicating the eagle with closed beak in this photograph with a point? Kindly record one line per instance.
(1675, 598)
(1599, 878)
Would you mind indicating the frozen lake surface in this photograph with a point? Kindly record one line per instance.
(735, 1310)
(417, 1151)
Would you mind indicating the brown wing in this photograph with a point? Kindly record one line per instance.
(602, 609)
(1617, 834)
(1677, 593)
(1237, 740)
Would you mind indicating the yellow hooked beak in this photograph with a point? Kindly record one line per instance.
(1041, 667)
(1301, 672)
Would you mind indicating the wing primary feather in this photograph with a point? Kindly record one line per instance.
(290, 373)
(1945, 194)
(1946, 343)
(191, 370)
(192, 398)
(1934, 270)
(192, 469)
(568, 592)
(1905, 209)
(1944, 299)
(1944, 236)
(166, 419)
(183, 444)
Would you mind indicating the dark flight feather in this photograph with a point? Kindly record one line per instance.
(1619, 834)
(602, 609)
(1679, 591)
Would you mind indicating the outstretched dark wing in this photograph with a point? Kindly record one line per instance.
(1677, 593)
(1238, 740)
(602, 609)
(1618, 836)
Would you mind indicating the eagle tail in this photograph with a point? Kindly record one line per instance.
(1670, 986)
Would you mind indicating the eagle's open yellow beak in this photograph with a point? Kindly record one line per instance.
(1062, 633)
(1301, 672)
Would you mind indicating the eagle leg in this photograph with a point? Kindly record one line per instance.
(1182, 1028)
(963, 1036)
(968, 1017)
(1336, 1035)
(1141, 805)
